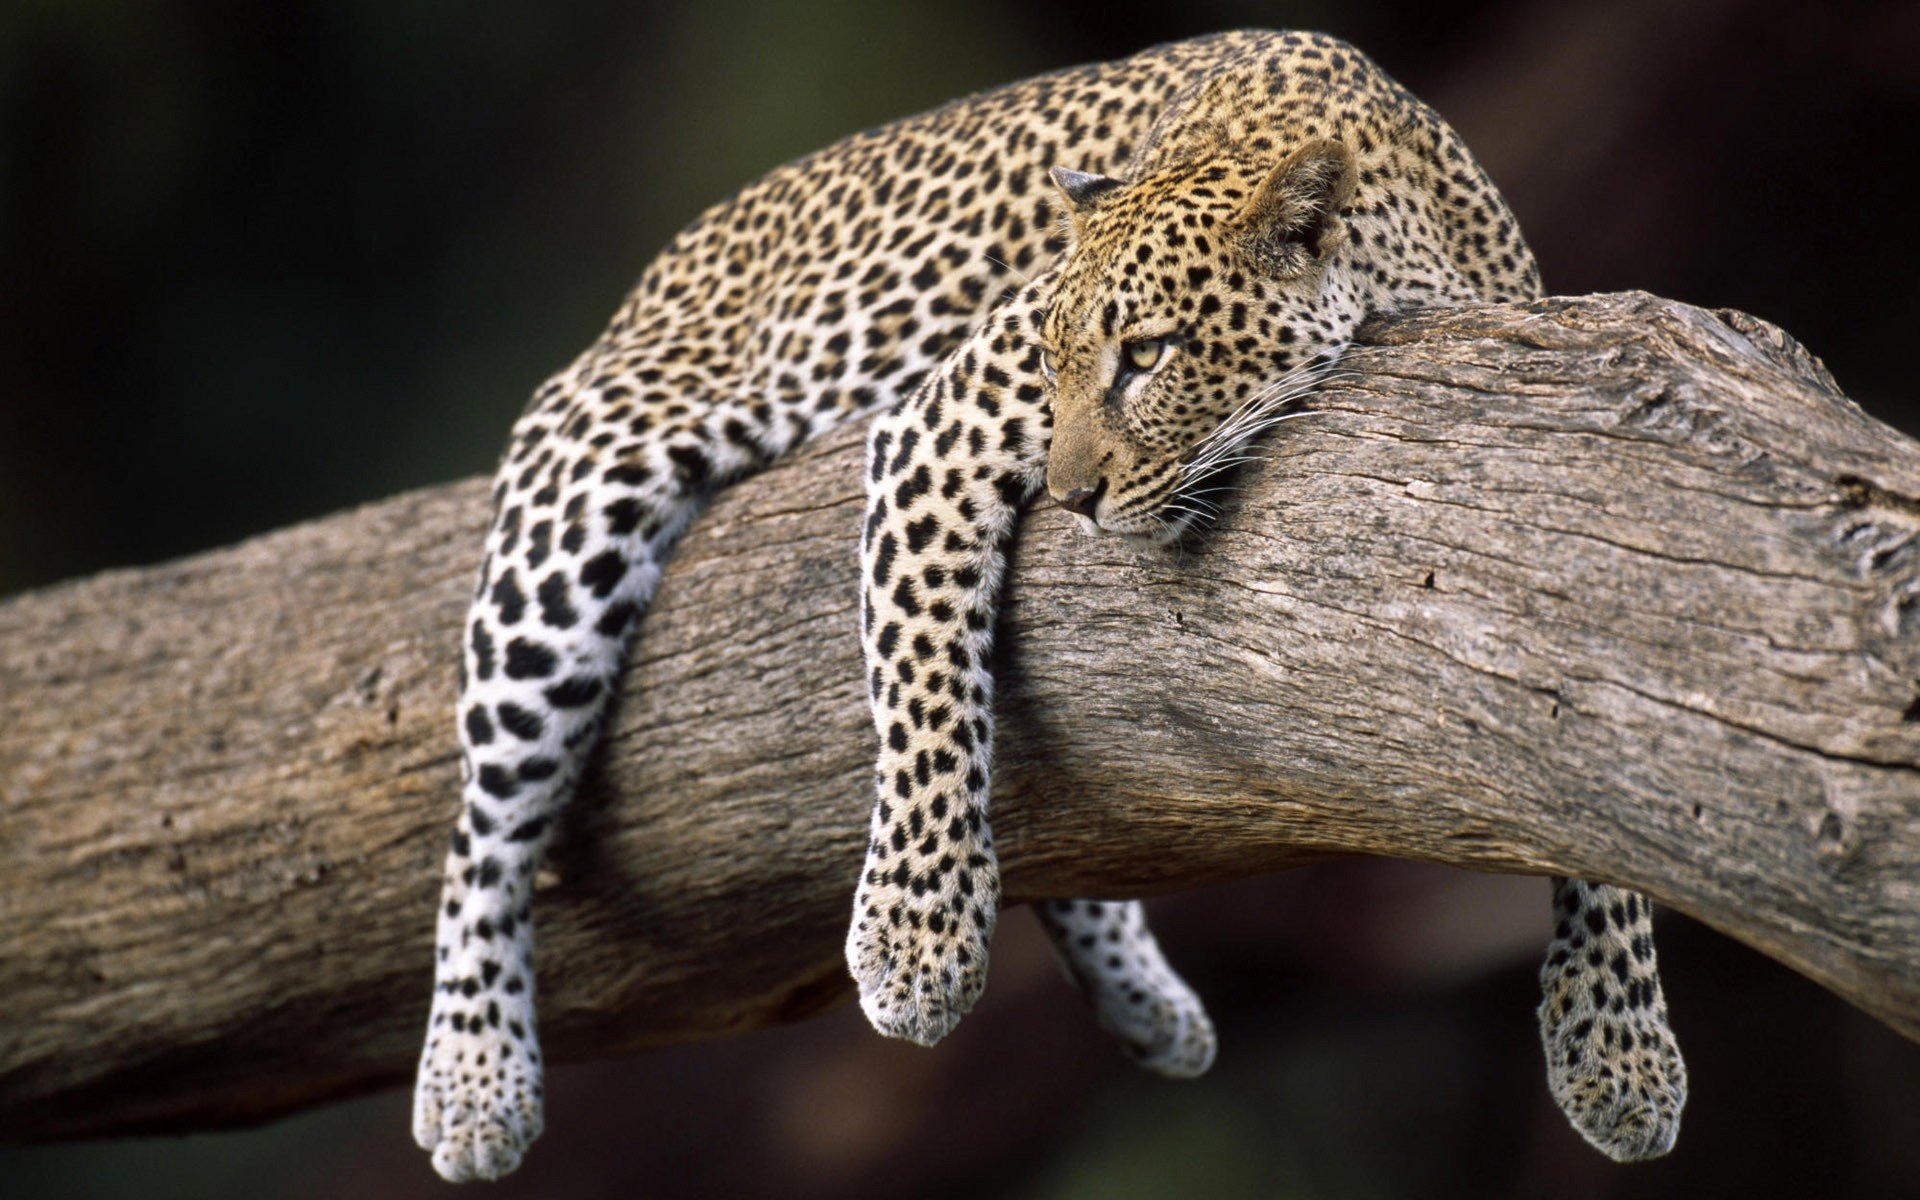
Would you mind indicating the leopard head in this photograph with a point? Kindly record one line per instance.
(1189, 299)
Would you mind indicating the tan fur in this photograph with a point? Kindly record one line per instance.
(1249, 197)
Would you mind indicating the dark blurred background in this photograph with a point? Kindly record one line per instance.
(261, 261)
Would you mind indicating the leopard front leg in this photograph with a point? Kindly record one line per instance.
(1107, 950)
(948, 474)
(1613, 1064)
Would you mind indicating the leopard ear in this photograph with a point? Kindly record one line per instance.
(1084, 192)
(1292, 222)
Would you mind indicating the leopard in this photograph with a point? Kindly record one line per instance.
(1100, 283)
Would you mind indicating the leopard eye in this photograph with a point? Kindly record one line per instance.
(1047, 365)
(1145, 355)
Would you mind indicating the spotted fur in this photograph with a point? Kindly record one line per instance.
(921, 269)
(1611, 1059)
(1106, 950)
(1276, 203)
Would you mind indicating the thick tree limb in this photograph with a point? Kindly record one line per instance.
(1610, 587)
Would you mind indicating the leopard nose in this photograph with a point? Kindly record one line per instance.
(1084, 500)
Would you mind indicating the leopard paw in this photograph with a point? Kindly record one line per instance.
(1167, 1032)
(920, 960)
(1622, 1085)
(1613, 1064)
(1106, 948)
(477, 1103)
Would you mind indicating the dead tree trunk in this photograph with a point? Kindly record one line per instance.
(1610, 587)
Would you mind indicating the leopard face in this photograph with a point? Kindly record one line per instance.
(1184, 312)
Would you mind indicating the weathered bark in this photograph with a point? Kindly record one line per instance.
(1610, 587)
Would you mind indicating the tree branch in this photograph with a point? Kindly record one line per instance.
(1610, 587)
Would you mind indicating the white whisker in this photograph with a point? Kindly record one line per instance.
(1176, 507)
(1225, 446)
(1009, 268)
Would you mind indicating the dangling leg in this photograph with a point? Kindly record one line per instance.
(1107, 950)
(948, 474)
(603, 475)
(1612, 1062)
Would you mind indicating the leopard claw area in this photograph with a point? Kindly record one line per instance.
(1630, 1127)
(1175, 1040)
(473, 1129)
(914, 984)
(1622, 1084)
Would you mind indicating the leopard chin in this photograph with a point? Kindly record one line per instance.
(1150, 529)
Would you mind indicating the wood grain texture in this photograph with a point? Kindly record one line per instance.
(1610, 587)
